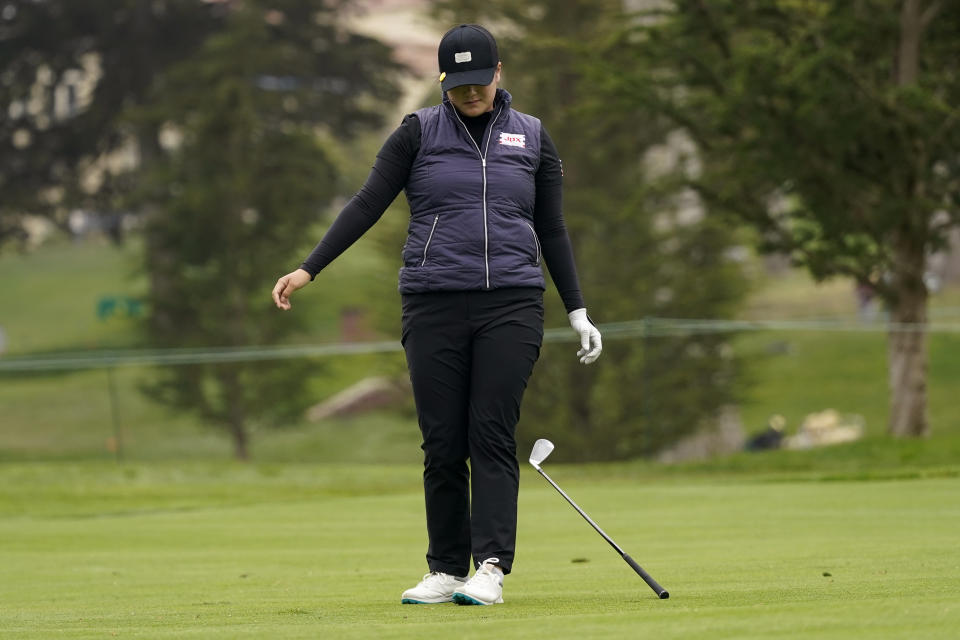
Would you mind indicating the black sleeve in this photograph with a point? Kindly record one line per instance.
(387, 178)
(551, 230)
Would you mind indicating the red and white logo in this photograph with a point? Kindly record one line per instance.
(513, 139)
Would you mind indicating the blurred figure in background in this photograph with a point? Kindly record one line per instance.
(769, 438)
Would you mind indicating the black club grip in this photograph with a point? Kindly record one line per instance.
(660, 591)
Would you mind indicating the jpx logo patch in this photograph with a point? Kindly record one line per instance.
(513, 139)
(463, 56)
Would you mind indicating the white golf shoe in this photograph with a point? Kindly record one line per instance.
(436, 587)
(485, 587)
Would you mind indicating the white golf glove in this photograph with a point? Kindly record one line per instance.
(590, 344)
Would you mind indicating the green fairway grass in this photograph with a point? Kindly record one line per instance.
(203, 550)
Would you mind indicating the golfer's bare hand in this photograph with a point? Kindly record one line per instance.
(287, 285)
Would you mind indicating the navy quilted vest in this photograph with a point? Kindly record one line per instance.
(471, 209)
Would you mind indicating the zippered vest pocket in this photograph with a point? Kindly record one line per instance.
(536, 240)
(433, 228)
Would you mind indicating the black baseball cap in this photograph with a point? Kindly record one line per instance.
(467, 55)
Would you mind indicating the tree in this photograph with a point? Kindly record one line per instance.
(68, 70)
(229, 204)
(831, 127)
(642, 247)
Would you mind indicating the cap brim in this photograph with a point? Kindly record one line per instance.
(481, 77)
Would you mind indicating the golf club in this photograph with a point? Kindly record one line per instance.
(542, 449)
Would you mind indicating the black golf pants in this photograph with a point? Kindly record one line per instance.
(470, 354)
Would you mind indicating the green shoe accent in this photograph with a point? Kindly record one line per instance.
(412, 601)
(462, 598)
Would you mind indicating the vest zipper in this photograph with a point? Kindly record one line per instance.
(429, 238)
(535, 239)
(483, 162)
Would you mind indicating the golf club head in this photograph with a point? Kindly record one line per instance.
(541, 449)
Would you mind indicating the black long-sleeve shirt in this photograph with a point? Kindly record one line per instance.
(389, 176)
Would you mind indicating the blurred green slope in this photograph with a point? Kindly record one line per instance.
(49, 303)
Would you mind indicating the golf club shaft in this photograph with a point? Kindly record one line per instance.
(653, 584)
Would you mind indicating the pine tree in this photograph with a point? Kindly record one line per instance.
(68, 71)
(229, 204)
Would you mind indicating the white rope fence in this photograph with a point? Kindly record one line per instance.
(647, 327)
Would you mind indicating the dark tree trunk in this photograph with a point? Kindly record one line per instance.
(907, 346)
(236, 411)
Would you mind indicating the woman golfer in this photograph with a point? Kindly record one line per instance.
(483, 182)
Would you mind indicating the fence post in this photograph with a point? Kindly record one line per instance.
(645, 383)
(115, 416)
